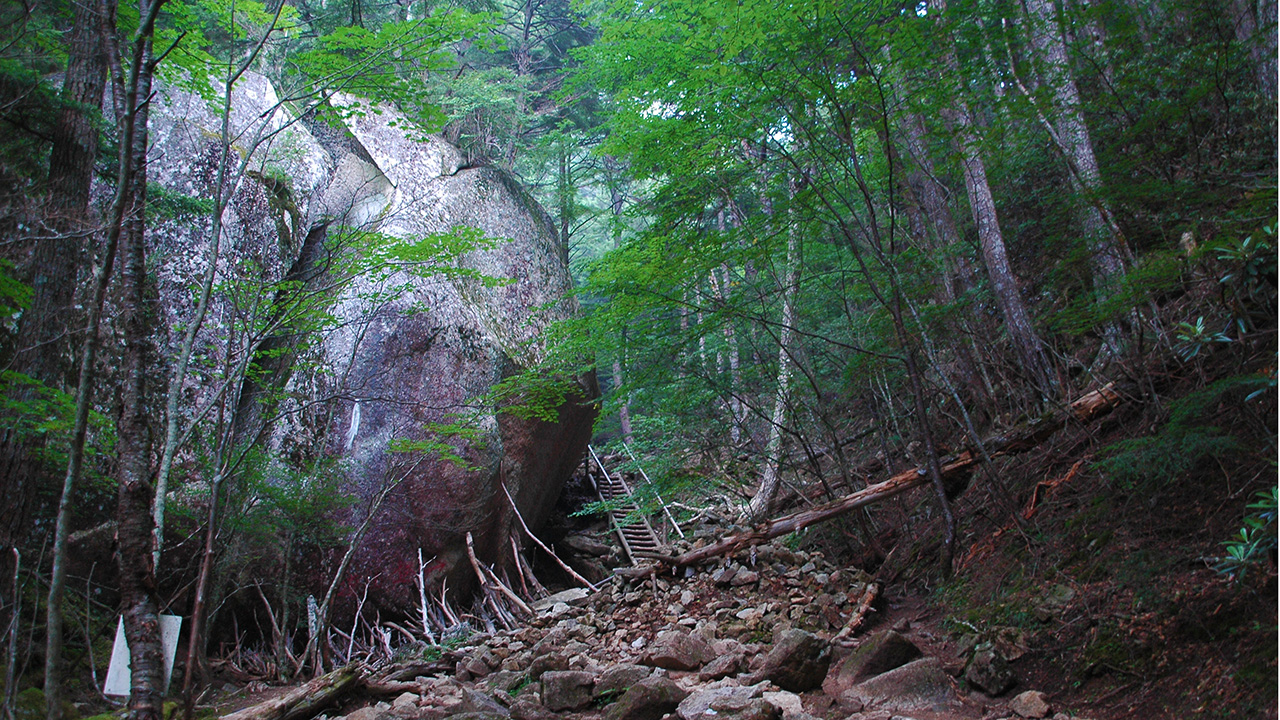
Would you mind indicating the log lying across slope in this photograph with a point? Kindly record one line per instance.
(306, 700)
(1084, 409)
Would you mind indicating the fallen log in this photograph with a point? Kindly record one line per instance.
(1085, 409)
(306, 700)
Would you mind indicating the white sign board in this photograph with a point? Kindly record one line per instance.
(118, 678)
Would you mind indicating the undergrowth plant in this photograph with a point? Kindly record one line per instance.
(1256, 540)
(1189, 436)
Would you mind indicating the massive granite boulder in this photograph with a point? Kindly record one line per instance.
(398, 348)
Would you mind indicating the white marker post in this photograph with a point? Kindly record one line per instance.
(118, 676)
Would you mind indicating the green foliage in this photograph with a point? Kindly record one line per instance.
(1157, 273)
(1188, 437)
(14, 296)
(1193, 338)
(165, 203)
(43, 416)
(1249, 281)
(1256, 539)
(386, 64)
(444, 441)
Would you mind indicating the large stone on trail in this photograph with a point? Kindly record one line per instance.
(918, 685)
(616, 679)
(380, 711)
(525, 708)
(723, 666)
(567, 689)
(697, 704)
(789, 705)
(406, 706)
(475, 701)
(798, 661)
(735, 709)
(648, 699)
(505, 681)
(544, 663)
(879, 653)
(1030, 704)
(408, 345)
(988, 671)
(574, 597)
(675, 650)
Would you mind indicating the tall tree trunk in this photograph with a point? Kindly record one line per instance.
(935, 227)
(721, 289)
(134, 521)
(767, 491)
(88, 356)
(45, 326)
(1004, 286)
(991, 240)
(617, 203)
(1107, 251)
(1255, 28)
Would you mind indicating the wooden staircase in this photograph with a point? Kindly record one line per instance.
(633, 529)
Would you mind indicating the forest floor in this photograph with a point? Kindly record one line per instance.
(1105, 597)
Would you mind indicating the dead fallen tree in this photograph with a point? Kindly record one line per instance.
(1083, 410)
(306, 700)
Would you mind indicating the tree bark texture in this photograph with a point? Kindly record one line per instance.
(42, 344)
(1107, 253)
(133, 512)
(307, 700)
(138, 604)
(1004, 285)
(1254, 22)
(770, 478)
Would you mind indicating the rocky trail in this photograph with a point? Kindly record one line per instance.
(767, 634)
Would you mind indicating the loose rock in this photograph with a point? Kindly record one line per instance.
(1030, 704)
(988, 671)
(648, 699)
(797, 662)
(567, 689)
(675, 650)
(880, 653)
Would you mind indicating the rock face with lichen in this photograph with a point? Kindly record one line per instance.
(399, 348)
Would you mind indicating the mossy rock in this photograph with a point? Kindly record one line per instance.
(29, 705)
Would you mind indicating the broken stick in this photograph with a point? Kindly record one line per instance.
(587, 583)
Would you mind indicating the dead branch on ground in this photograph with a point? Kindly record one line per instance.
(1085, 409)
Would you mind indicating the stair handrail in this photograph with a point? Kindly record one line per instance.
(661, 502)
(617, 526)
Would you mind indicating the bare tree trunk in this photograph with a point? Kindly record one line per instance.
(1107, 251)
(721, 289)
(617, 200)
(1004, 286)
(134, 510)
(75, 455)
(931, 211)
(1255, 28)
(44, 330)
(767, 491)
